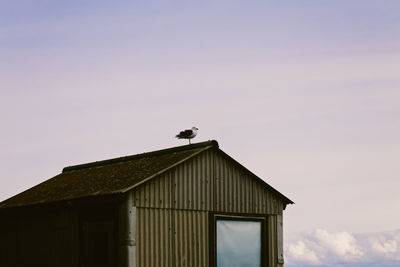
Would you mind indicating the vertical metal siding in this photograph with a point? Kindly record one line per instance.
(208, 182)
(192, 184)
(188, 186)
(180, 238)
(238, 192)
(151, 236)
(154, 194)
(171, 238)
(172, 213)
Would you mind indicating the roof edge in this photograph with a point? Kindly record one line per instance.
(164, 170)
(287, 200)
(100, 163)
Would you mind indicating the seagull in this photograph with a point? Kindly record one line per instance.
(187, 134)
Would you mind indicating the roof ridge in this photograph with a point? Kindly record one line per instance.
(100, 163)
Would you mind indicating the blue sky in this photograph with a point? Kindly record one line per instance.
(305, 94)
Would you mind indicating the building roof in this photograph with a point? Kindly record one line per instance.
(111, 176)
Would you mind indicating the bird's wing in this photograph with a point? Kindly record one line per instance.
(185, 133)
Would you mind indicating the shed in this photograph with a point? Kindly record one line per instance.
(192, 205)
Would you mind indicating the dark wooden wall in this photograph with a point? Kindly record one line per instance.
(48, 239)
(75, 237)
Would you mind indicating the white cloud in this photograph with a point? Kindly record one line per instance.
(385, 246)
(300, 252)
(322, 247)
(342, 244)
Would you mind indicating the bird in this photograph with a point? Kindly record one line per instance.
(187, 134)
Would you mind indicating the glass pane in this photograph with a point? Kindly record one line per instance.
(238, 243)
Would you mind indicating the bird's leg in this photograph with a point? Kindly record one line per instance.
(189, 142)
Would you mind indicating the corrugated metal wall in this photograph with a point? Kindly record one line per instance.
(208, 182)
(181, 238)
(171, 237)
(188, 186)
(173, 210)
(236, 191)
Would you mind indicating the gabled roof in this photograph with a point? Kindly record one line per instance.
(112, 176)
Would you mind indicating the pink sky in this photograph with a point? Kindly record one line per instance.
(304, 95)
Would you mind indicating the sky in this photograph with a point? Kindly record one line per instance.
(303, 93)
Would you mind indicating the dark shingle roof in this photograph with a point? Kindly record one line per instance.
(105, 177)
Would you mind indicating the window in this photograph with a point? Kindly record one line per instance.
(238, 241)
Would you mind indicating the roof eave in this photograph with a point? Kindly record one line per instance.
(282, 196)
(164, 170)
